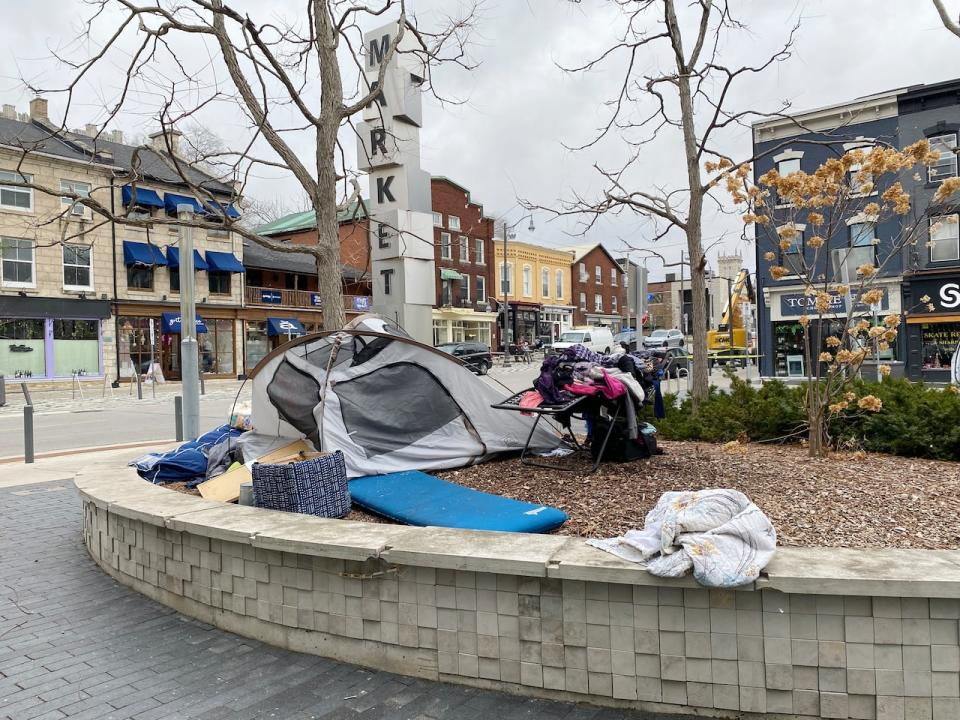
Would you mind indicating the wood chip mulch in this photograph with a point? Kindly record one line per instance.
(858, 500)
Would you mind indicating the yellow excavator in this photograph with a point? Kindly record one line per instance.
(730, 337)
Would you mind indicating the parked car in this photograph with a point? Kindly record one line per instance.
(663, 338)
(679, 360)
(628, 337)
(598, 339)
(475, 355)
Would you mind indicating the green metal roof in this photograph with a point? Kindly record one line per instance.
(448, 274)
(307, 220)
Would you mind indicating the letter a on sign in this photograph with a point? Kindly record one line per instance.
(383, 190)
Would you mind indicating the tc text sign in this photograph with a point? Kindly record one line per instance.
(944, 293)
(797, 304)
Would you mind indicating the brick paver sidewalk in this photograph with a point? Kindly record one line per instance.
(76, 644)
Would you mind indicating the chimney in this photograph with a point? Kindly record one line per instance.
(117, 136)
(9, 112)
(38, 109)
(161, 139)
(90, 130)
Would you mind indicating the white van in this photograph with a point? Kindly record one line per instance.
(598, 339)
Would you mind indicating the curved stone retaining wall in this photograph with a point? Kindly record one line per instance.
(826, 633)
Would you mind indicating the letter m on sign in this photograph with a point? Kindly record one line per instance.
(378, 50)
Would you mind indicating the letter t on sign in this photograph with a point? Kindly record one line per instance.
(387, 278)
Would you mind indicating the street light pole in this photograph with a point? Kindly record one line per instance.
(189, 350)
(506, 286)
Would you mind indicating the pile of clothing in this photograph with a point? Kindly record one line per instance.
(194, 461)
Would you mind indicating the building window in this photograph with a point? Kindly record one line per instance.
(583, 301)
(464, 249)
(439, 332)
(938, 342)
(857, 181)
(438, 219)
(583, 272)
(15, 198)
(81, 189)
(506, 278)
(22, 349)
(527, 281)
(140, 277)
(613, 277)
(219, 282)
(946, 166)
(16, 257)
(446, 293)
(545, 282)
(77, 267)
(598, 303)
(453, 222)
(465, 289)
(792, 257)
(598, 275)
(446, 252)
(76, 347)
(216, 348)
(175, 280)
(478, 251)
(559, 288)
(862, 246)
(944, 238)
(256, 343)
(481, 288)
(790, 165)
(613, 304)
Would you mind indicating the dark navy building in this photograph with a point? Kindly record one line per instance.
(896, 118)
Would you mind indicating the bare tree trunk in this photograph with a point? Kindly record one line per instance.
(325, 202)
(701, 378)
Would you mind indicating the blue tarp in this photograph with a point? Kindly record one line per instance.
(224, 262)
(416, 498)
(187, 463)
(171, 200)
(173, 258)
(145, 197)
(285, 326)
(136, 253)
(170, 322)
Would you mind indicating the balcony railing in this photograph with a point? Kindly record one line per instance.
(276, 297)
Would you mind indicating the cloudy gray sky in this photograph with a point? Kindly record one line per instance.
(506, 140)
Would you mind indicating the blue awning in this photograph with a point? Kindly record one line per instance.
(285, 326)
(136, 253)
(145, 197)
(224, 262)
(170, 323)
(173, 259)
(171, 200)
(218, 208)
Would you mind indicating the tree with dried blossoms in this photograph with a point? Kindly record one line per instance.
(802, 223)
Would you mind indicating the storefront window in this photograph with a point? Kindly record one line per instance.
(76, 347)
(134, 340)
(788, 349)
(216, 348)
(939, 341)
(256, 344)
(458, 331)
(439, 332)
(22, 352)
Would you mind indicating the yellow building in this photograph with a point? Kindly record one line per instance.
(537, 287)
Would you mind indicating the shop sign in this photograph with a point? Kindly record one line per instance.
(797, 304)
(361, 303)
(270, 297)
(944, 293)
(315, 299)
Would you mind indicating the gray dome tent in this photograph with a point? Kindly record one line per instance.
(388, 402)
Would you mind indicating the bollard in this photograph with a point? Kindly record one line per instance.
(26, 394)
(28, 433)
(139, 388)
(3, 391)
(178, 417)
(203, 389)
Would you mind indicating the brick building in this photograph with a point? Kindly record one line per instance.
(464, 257)
(598, 287)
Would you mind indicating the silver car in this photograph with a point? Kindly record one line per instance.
(663, 338)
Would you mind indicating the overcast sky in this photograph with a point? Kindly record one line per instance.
(506, 140)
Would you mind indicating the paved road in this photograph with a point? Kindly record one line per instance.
(75, 644)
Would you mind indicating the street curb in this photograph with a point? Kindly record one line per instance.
(80, 451)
